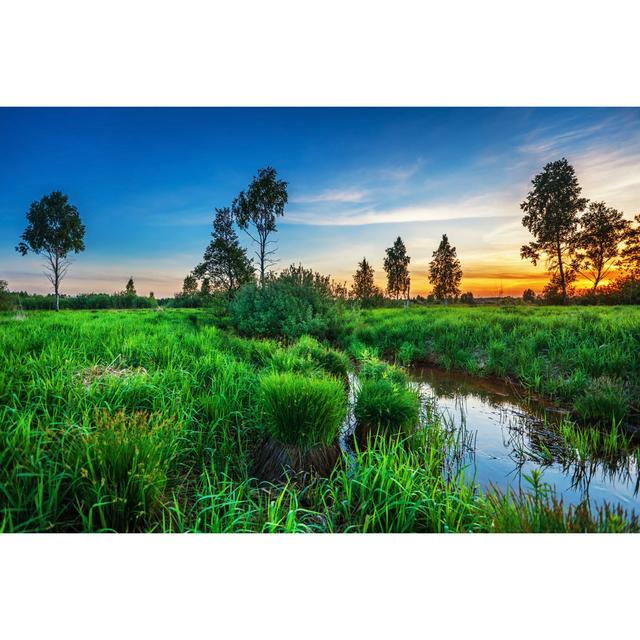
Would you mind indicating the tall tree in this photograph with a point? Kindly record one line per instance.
(225, 263)
(396, 264)
(603, 230)
(552, 211)
(54, 230)
(130, 289)
(189, 285)
(256, 212)
(364, 288)
(631, 252)
(445, 271)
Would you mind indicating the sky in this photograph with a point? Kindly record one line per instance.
(146, 182)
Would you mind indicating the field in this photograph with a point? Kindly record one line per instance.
(156, 420)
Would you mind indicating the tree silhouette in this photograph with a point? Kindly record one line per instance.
(130, 289)
(258, 209)
(396, 264)
(445, 272)
(54, 230)
(225, 264)
(631, 252)
(529, 295)
(603, 230)
(363, 288)
(189, 285)
(552, 211)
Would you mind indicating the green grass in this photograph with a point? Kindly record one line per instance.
(585, 358)
(147, 421)
(302, 411)
(386, 407)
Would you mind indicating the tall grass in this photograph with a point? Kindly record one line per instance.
(588, 359)
(145, 421)
(301, 411)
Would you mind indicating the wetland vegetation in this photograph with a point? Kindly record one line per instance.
(154, 421)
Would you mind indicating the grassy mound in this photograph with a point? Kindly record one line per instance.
(302, 411)
(385, 407)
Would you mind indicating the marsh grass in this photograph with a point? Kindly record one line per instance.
(586, 359)
(172, 449)
(301, 411)
(120, 469)
(385, 407)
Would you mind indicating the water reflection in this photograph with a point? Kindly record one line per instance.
(506, 437)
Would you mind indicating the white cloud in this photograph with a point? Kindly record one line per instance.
(484, 206)
(332, 195)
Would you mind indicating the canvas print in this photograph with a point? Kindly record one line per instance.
(319, 320)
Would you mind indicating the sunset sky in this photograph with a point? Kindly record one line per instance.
(146, 182)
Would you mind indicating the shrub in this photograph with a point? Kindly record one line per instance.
(289, 305)
(121, 467)
(384, 406)
(302, 411)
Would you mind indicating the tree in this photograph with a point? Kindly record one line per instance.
(396, 264)
(205, 287)
(467, 298)
(603, 230)
(225, 265)
(189, 286)
(552, 211)
(445, 272)
(363, 288)
(631, 252)
(529, 295)
(5, 298)
(54, 230)
(258, 209)
(130, 289)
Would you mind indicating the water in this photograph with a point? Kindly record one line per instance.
(509, 437)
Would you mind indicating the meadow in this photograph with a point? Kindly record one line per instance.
(168, 421)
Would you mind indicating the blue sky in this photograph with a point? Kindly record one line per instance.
(146, 182)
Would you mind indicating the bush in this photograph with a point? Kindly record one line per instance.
(302, 411)
(294, 303)
(121, 468)
(387, 407)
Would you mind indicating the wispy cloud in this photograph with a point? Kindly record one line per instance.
(483, 206)
(333, 195)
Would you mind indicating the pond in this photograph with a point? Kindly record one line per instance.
(509, 436)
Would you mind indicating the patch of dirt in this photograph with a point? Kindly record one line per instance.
(100, 373)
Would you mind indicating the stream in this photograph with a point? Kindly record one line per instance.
(506, 437)
(506, 433)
